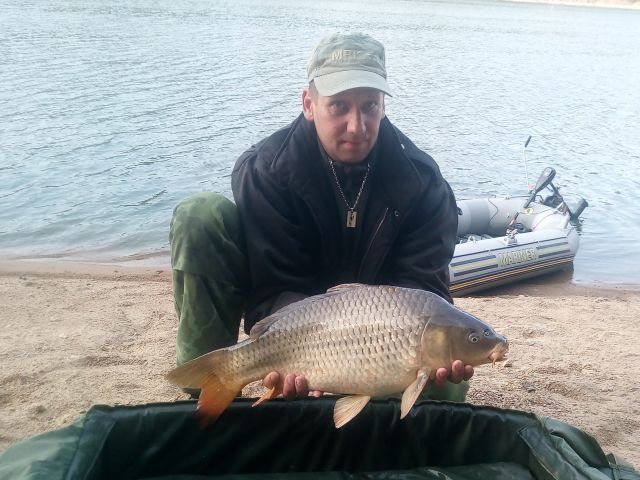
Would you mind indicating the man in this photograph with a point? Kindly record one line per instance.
(338, 196)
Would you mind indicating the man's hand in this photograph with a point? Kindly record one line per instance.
(459, 371)
(296, 386)
(293, 386)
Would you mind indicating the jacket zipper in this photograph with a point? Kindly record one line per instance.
(373, 237)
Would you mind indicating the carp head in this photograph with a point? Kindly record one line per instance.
(453, 334)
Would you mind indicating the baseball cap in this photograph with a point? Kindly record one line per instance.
(342, 62)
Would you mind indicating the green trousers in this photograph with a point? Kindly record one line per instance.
(211, 277)
(210, 274)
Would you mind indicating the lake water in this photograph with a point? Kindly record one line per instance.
(113, 111)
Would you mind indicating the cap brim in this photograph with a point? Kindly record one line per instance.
(334, 83)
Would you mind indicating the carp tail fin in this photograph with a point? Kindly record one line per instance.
(215, 396)
(216, 391)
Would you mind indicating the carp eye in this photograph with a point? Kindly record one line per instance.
(473, 338)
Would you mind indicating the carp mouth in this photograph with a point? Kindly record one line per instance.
(499, 353)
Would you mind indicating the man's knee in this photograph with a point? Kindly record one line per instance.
(199, 212)
(205, 231)
(201, 219)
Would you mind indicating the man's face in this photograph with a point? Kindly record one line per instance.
(347, 123)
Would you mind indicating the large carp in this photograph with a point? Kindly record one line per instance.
(360, 340)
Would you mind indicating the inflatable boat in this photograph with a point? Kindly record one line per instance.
(503, 240)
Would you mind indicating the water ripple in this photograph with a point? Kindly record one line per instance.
(111, 112)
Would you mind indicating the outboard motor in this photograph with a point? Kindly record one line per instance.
(582, 204)
(545, 179)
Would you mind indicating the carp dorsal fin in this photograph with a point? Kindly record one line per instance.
(263, 325)
(412, 392)
(345, 286)
(348, 407)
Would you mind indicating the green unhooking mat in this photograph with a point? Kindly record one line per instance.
(289, 440)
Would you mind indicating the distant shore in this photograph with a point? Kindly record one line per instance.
(630, 4)
(77, 335)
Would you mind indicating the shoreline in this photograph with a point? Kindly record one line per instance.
(616, 4)
(79, 269)
(73, 335)
(158, 267)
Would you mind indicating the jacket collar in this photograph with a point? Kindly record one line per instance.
(396, 181)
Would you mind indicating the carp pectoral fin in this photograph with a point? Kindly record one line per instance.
(269, 394)
(215, 397)
(412, 392)
(348, 407)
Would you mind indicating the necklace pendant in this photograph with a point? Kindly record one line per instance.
(352, 216)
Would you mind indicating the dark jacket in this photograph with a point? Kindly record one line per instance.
(293, 226)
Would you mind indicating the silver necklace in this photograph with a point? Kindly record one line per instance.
(352, 214)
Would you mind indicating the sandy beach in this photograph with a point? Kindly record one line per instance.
(72, 336)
